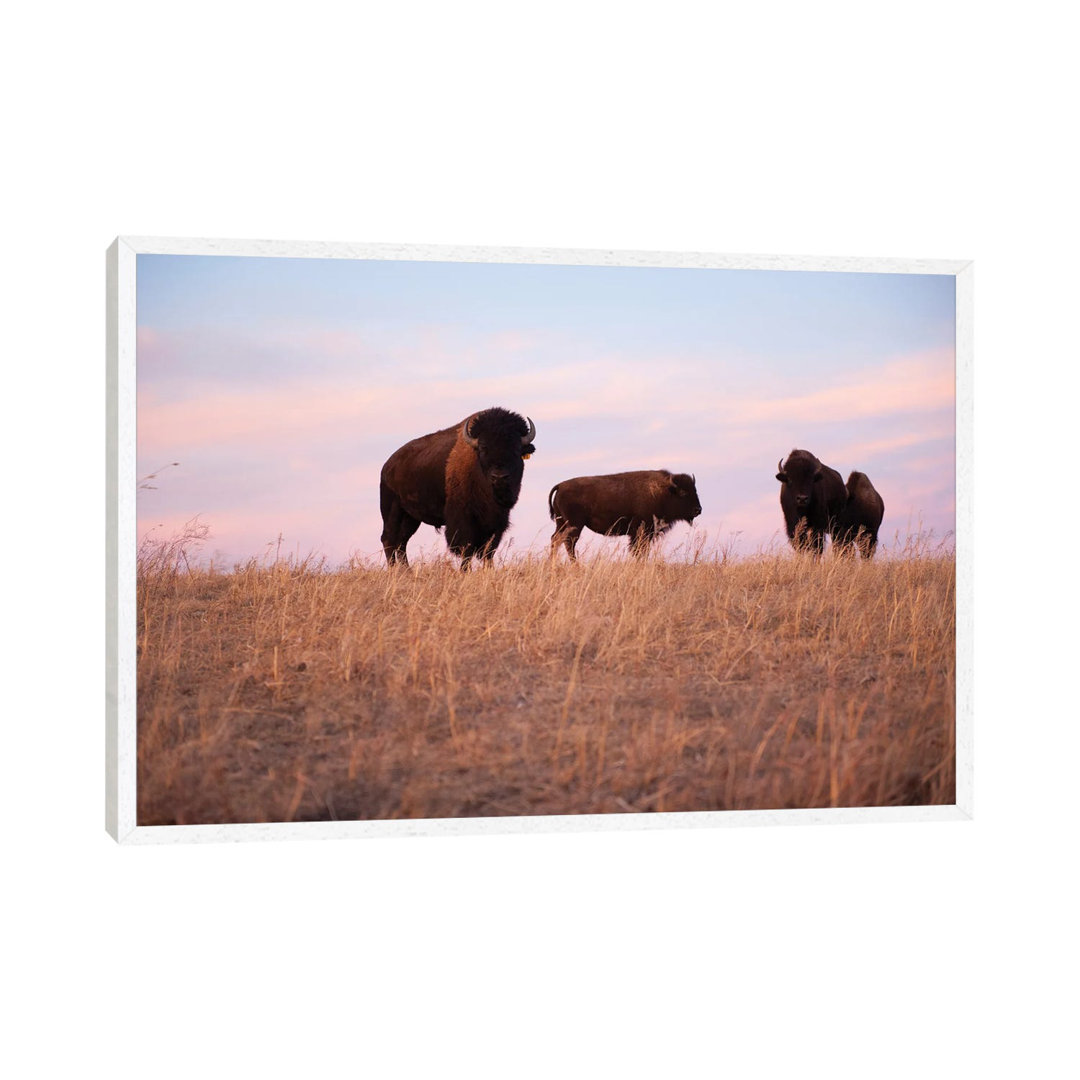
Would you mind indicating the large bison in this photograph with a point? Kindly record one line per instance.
(642, 505)
(465, 478)
(861, 517)
(812, 497)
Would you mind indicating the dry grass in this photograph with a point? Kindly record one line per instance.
(287, 692)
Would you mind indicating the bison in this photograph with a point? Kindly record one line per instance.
(465, 478)
(642, 505)
(812, 497)
(861, 517)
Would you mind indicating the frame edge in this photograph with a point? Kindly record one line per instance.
(326, 249)
(400, 829)
(121, 483)
(965, 531)
(119, 532)
(111, 605)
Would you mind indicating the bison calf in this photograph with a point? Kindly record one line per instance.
(465, 478)
(642, 505)
(861, 517)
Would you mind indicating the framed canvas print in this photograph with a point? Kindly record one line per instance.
(426, 540)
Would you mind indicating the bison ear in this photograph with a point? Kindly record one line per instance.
(817, 476)
(528, 450)
(782, 477)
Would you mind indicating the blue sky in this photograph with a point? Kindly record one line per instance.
(281, 385)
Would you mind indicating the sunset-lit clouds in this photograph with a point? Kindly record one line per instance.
(282, 405)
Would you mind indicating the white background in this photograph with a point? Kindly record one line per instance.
(938, 130)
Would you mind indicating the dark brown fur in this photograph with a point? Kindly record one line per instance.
(861, 518)
(442, 480)
(812, 497)
(642, 505)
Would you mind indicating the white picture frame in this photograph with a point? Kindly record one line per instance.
(121, 543)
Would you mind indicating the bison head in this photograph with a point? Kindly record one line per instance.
(682, 501)
(502, 440)
(801, 472)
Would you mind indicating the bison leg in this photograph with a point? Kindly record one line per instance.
(798, 533)
(484, 558)
(805, 538)
(398, 527)
(640, 540)
(394, 545)
(843, 543)
(867, 544)
(487, 553)
(566, 535)
(793, 524)
(467, 552)
(464, 552)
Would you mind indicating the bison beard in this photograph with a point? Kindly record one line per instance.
(642, 505)
(466, 478)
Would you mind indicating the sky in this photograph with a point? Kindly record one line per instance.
(279, 386)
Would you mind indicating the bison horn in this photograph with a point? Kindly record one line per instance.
(780, 465)
(532, 433)
(466, 432)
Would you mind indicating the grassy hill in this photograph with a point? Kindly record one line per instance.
(288, 692)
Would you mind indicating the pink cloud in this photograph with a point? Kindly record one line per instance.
(865, 448)
(323, 440)
(921, 383)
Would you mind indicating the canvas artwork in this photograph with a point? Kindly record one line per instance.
(426, 539)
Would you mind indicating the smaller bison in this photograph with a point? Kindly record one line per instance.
(641, 505)
(860, 519)
(465, 478)
(812, 497)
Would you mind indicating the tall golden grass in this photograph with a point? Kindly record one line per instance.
(286, 691)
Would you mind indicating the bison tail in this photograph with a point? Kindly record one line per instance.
(551, 502)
